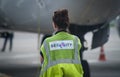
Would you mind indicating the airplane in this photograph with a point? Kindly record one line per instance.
(85, 16)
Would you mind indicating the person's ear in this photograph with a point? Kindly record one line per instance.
(54, 25)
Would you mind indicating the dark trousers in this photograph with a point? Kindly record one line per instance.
(5, 43)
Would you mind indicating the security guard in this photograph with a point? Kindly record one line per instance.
(60, 52)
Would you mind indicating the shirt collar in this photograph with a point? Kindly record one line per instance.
(59, 31)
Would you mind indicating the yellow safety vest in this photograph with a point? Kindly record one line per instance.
(61, 56)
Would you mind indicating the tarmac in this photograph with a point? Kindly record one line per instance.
(23, 60)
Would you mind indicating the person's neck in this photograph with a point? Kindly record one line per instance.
(60, 30)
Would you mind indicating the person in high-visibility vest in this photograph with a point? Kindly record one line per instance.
(60, 52)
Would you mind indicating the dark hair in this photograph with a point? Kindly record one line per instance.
(61, 19)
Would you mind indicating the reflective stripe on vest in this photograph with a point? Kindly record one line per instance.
(51, 63)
